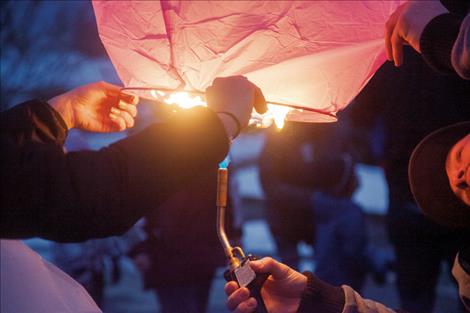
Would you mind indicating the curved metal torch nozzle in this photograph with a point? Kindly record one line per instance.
(222, 190)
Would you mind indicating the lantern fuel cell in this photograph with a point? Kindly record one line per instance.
(239, 265)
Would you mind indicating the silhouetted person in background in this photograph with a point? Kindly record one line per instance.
(179, 257)
(288, 207)
(308, 177)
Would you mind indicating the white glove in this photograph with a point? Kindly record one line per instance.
(235, 96)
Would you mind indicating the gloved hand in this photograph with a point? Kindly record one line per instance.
(406, 25)
(281, 292)
(237, 96)
(97, 107)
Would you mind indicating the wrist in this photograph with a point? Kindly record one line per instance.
(64, 108)
(231, 124)
(320, 296)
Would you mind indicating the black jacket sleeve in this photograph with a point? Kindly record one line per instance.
(444, 38)
(320, 296)
(89, 194)
(438, 39)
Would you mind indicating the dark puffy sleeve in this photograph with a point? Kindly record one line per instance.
(89, 194)
(438, 39)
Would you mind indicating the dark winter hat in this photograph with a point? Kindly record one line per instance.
(428, 178)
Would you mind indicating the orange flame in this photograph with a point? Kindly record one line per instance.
(276, 114)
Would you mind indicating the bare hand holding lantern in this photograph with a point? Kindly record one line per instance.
(97, 107)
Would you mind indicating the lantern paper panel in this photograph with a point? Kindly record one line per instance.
(312, 54)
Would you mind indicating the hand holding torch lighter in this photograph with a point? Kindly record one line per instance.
(239, 268)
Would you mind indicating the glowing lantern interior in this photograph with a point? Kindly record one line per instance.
(185, 100)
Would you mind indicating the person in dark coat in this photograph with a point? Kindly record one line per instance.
(76, 196)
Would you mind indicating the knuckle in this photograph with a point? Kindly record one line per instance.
(134, 112)
(209, 92)
(268, 262)
(231, 304)
(227, 289)
(268, 259)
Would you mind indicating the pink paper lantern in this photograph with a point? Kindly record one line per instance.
(312, 54)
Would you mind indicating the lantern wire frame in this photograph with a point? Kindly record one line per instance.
(202, 94)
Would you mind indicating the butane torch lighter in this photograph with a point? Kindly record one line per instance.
(239, 269)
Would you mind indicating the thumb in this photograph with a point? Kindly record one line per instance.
(269, 265)
(259, 101)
